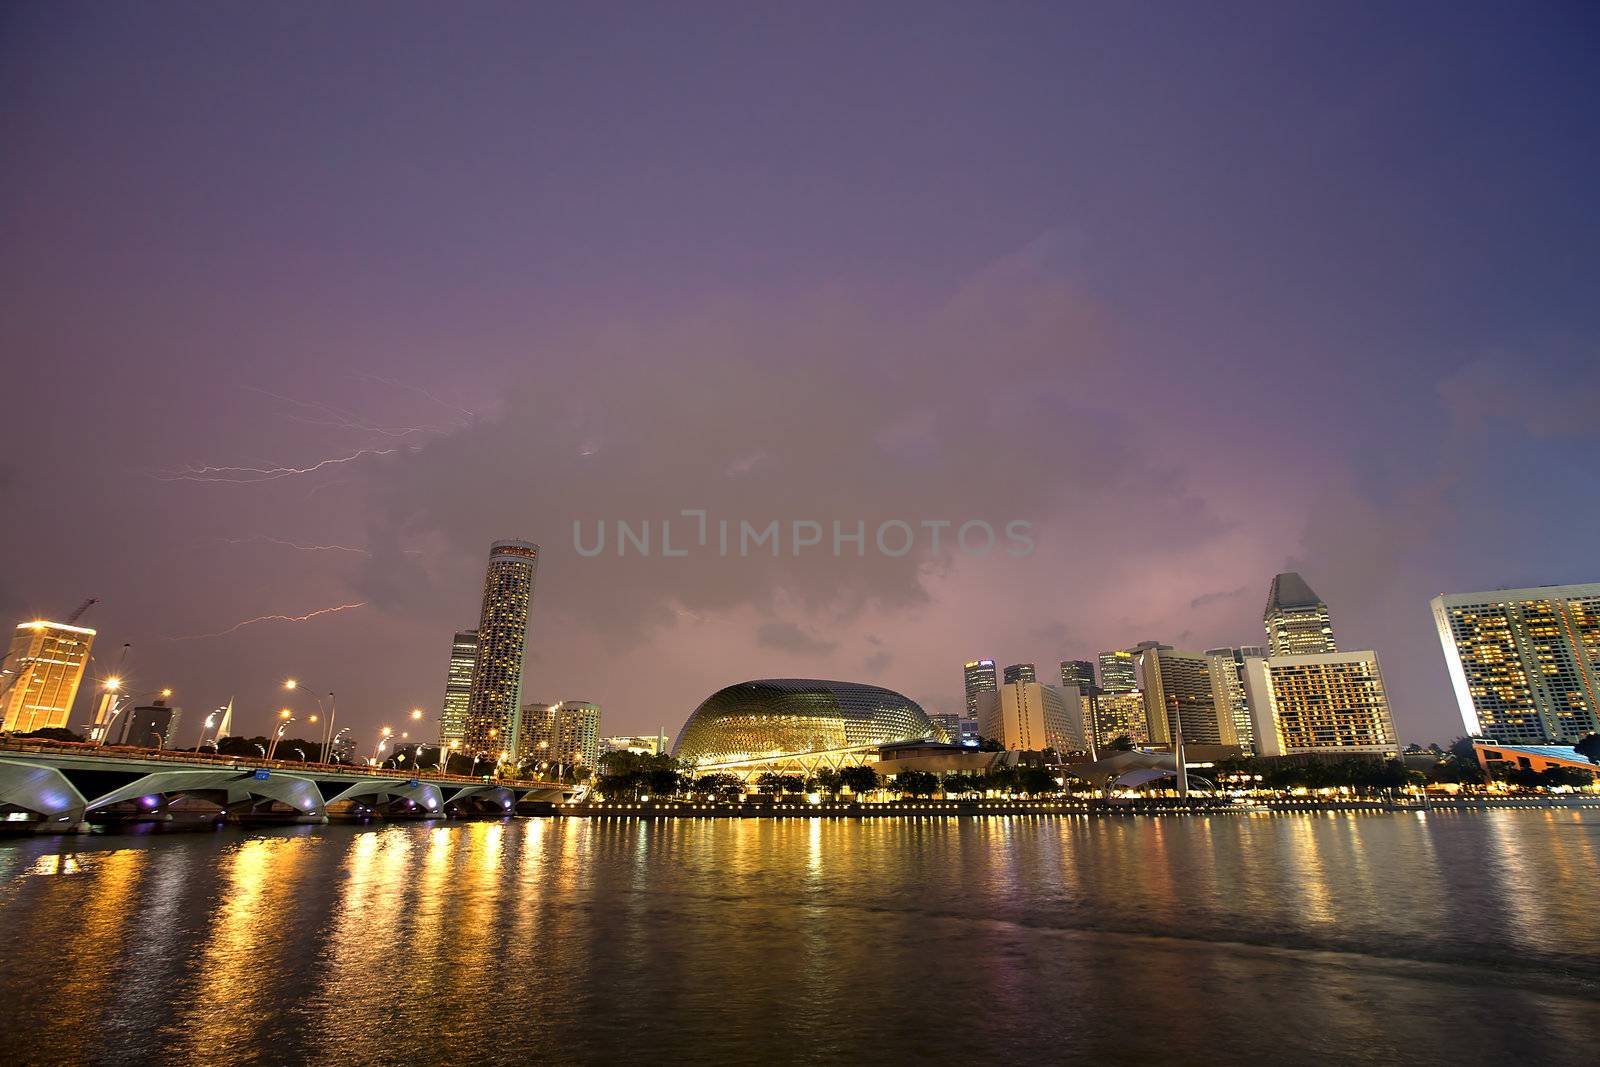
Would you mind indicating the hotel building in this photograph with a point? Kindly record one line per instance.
(492, 706)
(1114, 715)
(1525, 663)
(42, 674)
(1227, 686)
(1031, 717)
(1332, 703)
(565, 734)
(1177, 690)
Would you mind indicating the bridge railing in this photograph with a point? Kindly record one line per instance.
(125, 753)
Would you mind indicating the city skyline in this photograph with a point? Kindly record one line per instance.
(307, 374)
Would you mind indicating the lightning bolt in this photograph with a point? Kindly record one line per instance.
(341, 419)
(266, 539)
(250, 475)
(270, 618)
(391, 383)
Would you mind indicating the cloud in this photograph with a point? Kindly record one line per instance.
(1205, 599)
(787, 637)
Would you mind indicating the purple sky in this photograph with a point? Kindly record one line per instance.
(1202, 291)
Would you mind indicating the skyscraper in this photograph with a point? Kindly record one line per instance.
(492, 708)
(1525, 663)
(1119, 672)
(1330, 703)
(1177, 687)
(153, 725)
(458, 686)
(1227, 686)
(1078, 672)
(42, 674)
(1020, 672)
(1296, 619)
(979, 677)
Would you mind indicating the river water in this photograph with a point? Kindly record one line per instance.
(1444, 938)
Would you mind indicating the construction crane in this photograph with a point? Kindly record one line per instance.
(77, 614)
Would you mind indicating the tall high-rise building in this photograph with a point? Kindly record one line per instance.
(565, 735)
(1119, 671)
(1177, 689)
(41, 675)
(493, 710)
(949, 722)
(153, 725)
(1078, 672)
(1329, 703)
(1227, 686)
(979, 678)
(1032, 717)
(458, 686)
(1525, 663)
(1296, 619)
(1020, 672)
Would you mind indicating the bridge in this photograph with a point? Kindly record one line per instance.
(56, 787)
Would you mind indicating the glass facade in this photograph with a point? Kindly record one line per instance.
(1296, 619)
(780, 716)
(1078, 672)
(458, 686)
(492, 708)
(980, 678)
(1119, 672)
(1020, 672)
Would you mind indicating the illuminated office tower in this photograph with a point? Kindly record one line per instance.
(1119, 672)
(979, 677)
(564, 735)
(1078, 672)
(458, 686)
(1525, 663)
(1296, 619)
(1227, 686)
(492, 708)
(1177, 689)
(1032, 717)
(42, 674)
(1331, 703)
(153, 725)
(1020, 672)
(949, 722)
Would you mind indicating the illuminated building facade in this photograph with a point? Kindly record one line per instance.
(979, 678)
(1227, 686)
(1078, 672)
(1030, 717)
(458, 686)
(1119, 672)
(1525, 663)
(566, 735)
(1115, 715)
(1020, 672)
(1177, 689)
(773, 720)
(1333, 703)
(42, 674)
(492, 707)
(1296, 619)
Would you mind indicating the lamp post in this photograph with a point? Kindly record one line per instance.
(120, 704)
(332, 712)
(288, 717)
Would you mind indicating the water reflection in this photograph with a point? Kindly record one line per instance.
(1027, 939)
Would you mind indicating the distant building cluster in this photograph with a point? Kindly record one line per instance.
(484, 713)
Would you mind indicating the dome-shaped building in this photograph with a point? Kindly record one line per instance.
(777, 717)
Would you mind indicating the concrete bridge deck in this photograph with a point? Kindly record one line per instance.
(57, 787)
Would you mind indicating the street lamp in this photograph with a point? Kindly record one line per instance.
(288, 717)
(332, 711)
